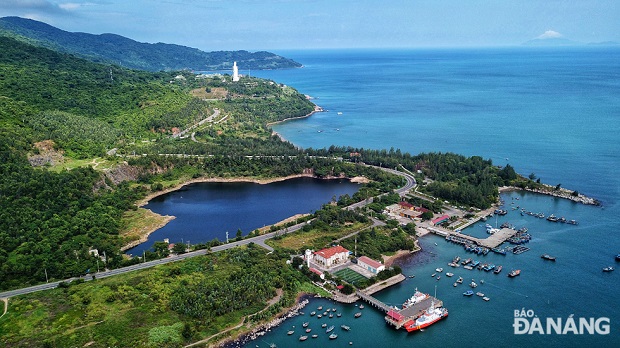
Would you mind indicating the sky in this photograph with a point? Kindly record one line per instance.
(307, 24)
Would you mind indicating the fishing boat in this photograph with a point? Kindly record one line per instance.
(608, 269)
(438, 277)
(308, 330)
(412, 276)
(465, 261)
(547, 257)
(324, 325)
(303, 338)
(290, 332)
(433, 275)
(514, 273)
(312, 313)
(553, 218)
(358, 314)
(305, 324)
(439, 270)
(460, 280)
(498, 269)
(473, 284)
(416, 298)
(345, 327)
(331, 315)
(339, 315)
(479, 294)
(468, 293)
(474, 264)
(333, 336)
(329, 329)
(455, 285)
(618, 257)
(428, 318)
(449, 274)
(486, 299)
(319, 316)
(315, 336)
(362, 306)
(572, 222)
(481, 281)
(320, 308)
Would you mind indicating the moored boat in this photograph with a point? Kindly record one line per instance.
(608, 269)
(514, 273)
(547, 257)
(333, 336)
(303, 338)
(460, 280)
(498, 269)
(315, 336)
(345, 327)
(473, 284)
(329, 329)
(358, 314)
(468, 293)
(290, 332)
(439, 270)
(362, 306)
(486, 298)
(305, 324)
(449, 274)
(618, 257)
(324, 325)
(312, 313)
(416, 298)
(428, 318)
(479, 294)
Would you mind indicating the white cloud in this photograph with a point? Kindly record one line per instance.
(69, 6)
(549, 34)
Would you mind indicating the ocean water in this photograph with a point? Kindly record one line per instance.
(552, 112)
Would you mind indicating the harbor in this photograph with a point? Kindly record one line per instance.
(492, 241)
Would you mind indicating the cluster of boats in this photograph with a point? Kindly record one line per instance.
(328, 329)
(479, 294)
(521, 237)
(551, 217)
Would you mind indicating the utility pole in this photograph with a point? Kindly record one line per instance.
(355, 245)
(226, 237)
(46, 280)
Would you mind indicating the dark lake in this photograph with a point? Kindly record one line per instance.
(205, 211)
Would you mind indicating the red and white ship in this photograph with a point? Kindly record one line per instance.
(416, 298)
(428, 318)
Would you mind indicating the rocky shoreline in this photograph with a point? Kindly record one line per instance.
(263, 329)
(560, 193)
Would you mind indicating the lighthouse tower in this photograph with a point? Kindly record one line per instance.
(308, 256)
(235, 72)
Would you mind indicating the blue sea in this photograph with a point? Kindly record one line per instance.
(551, 112)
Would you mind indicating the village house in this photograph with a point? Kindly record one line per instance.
(370, 264)
(331, 256)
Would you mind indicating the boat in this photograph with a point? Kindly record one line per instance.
(362, 306)
(416, 298)
(514, 273)
(319, 316)
(303, 338)
(412, 276)
(433, 275)
(572, 222)
(498, 269)
(312, 314)
(608, 269)
(305, 324)
(333, 336)
(465, 261)
(456, 259)
(449, 274)
(320, 308)
(339, 113)
(339, 315)
(345, 327)
(486, 299)
(468, 293)
(438, 277)
(479, 294)
(618, 257)
(308, 330)
(481, 281)
(315, 336)
(334, 310)
(455, 284)
(474, 264)
(290, 332)
(468, 267)
(324, 325)
(553, 218)
(358, 314)
(439, 270)
(460, 280)
(428, 318)
(273, 345)
(329, 329)
(473, 284)
(547, 257)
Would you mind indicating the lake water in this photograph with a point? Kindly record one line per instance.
(205, 211)
(552, 112)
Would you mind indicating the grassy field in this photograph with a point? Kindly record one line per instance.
(140, 222)
(316, 239)
(350, 276)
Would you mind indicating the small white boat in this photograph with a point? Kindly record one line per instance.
(449, 274)
(486, 298)
(439, 269)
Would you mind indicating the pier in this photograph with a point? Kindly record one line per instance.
(492, 241)
(399, 317)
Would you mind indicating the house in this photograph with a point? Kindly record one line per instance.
(370, 264)
(406, 205)
(331, 256)
(440, 219)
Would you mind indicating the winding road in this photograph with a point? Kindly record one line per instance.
(259, 240)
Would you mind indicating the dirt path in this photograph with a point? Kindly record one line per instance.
(6, 306)
(274, 300)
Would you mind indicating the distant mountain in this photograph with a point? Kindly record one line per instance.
(116, 49)
(554, 41)
(604, 43)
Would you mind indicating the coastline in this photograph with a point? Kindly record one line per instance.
(551, 191)
(316, 109)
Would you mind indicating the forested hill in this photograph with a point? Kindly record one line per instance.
(116, 49)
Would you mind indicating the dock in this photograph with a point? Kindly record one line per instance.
(492, 241)
(399, 317)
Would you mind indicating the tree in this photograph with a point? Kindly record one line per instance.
(347, 289)
(557, 187)
(179, 248)
(427, 215)
(161, 249)
(532, 176)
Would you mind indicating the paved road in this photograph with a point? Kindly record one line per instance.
(259, 240)
(216, 112)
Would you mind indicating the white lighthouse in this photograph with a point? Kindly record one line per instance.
(235, 72)
(308, 256)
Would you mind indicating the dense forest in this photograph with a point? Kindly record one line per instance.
(116, 49)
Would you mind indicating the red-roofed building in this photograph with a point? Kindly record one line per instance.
(331, 256)
(370, 264)
(440, 219)
(421, 209)
(406, 205)
(394, 315)
(319, 273)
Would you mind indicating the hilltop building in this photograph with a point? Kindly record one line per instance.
(331, 256)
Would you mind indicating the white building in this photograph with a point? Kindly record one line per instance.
(370, 264)
(235, 72)
(331, 256)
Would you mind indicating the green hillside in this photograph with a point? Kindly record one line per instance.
(116, 49)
